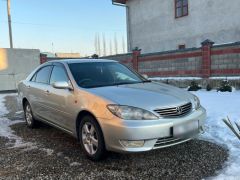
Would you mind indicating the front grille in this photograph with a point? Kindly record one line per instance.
(167, 141)
(175, 111)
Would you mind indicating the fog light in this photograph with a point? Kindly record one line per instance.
(132, 144)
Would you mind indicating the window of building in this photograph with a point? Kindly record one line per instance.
(181, 8)
(181, 46)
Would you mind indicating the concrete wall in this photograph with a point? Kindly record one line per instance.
(15, 65)
(154, 28)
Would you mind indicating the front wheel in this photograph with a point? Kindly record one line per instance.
(91, 138)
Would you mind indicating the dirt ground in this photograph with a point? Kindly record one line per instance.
(48, 153)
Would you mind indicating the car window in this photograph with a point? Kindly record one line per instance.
(58, 74)
(43, 75)
(33, 79)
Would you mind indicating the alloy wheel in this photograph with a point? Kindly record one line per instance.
(28, 114)
(89, 138)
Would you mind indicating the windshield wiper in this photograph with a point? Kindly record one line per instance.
(123, 83)
(146, 81)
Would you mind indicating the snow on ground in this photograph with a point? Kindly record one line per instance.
(194, 78)
(5, 123)
(6, 131)
(174, 78)
(220, 105)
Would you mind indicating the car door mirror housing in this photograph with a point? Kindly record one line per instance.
(62, 85)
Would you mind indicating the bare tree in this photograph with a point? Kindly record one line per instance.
(110, 47)
(116, 43)
(99, 45)
(104, 45)
(123, 45)
(96, 44)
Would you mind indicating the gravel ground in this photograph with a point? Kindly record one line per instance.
(52, 154)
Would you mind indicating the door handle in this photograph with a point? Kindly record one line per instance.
(28, 86)
(47, 92)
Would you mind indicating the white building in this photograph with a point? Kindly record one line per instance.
(161, 25)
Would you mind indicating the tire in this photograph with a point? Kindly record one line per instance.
(28, 115)
(91, 139)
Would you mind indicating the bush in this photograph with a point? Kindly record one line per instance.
(209, 87)
(225, 87)
(194, 86)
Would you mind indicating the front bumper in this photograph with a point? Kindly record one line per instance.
(155, 133)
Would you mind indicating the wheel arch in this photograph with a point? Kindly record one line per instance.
(24, 100)
(81, 114)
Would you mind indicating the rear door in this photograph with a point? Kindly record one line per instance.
(39, 91)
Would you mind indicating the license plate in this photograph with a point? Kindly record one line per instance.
(185, 129)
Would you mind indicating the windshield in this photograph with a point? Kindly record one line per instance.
(99, 74)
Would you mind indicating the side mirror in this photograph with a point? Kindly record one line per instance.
(62, 85)
(145, 76)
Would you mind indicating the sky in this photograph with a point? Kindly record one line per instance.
(62, 25)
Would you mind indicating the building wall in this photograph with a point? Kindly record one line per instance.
(15, 65)
(154, 28)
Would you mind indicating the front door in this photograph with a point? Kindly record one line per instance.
(61, 100)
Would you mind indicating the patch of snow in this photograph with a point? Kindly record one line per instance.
(48, 151)
(219, 105)
(175, 78)
(194, 78)
(5, 123)
(19, 112)
(75, 164)
(7, 132)
(226, 77)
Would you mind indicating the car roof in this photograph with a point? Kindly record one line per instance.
(70, 61)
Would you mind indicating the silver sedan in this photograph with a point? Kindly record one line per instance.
(109, 107)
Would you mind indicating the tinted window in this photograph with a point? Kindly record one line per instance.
(97, 74)
(43, 75)
(58, 74)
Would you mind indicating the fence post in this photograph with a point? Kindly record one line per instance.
(206, 58)
(135, 55)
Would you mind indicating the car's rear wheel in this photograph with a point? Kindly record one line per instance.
(91, 138)
(30, 121)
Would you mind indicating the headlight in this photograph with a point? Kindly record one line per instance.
(131, 113)
(196, 102)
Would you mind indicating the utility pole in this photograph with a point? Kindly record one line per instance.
(9, 23)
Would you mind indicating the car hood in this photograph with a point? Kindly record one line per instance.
(144, 95)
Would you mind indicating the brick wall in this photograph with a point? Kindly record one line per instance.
(207, 61)
(126, 59)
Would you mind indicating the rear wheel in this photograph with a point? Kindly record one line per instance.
(30, 121)
(91, 138)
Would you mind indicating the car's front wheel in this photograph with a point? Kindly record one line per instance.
(30, 121)
(91, 138)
